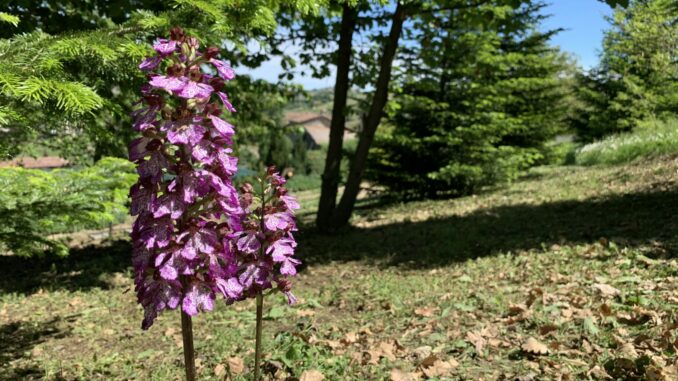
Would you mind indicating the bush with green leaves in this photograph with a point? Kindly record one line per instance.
(286, 149)
(36, 204)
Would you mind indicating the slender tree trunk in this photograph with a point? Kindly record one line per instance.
(189, 352)
(348, 198)
(331, 174)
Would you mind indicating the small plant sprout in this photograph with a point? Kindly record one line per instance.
(195, 236)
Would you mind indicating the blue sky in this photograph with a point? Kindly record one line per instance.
(583, 21)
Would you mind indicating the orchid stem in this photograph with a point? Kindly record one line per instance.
(257, 345)
(189, 352)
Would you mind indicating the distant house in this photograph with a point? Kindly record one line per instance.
(45, 162)
(316, 127)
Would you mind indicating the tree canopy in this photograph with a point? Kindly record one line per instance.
(69, 68)
(637, 78)
(479, 96)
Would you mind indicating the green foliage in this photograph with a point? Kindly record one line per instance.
(312, 180)
(285, 148)
(11, 19)
(560, 153)
(70, 69)
(260, 107)
(650, 139)
(35, 203)
(614, 3)
(638, 75)
(481, 97)
(300, 183)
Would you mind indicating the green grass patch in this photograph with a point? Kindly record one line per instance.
(304, 182)
(580, 259)
(652, 139)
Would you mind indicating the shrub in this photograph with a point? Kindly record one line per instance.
(285, 149)
(35, 203)
(652, 138)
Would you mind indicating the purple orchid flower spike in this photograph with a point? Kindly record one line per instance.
(185, 181)
(195, 237)
(265, 247)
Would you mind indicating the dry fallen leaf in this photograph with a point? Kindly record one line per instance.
(477, 340)
(305, 313)
(429, 360)
(425, 311)
(439, 368)
(547, 328)
(606, 290)
(219, 370)
(311, 375)
(373, 357)
(387, 350)
(516, 309)
(535, 347)
(671, 372)
(75, 302)
(178, 341)
(654, 373)
(422, 352)
(399, 375)
(627, 351)
(598, 373)
(37, 351)
(236, 365)
(605, 310)
(349, 338)
(567, 313)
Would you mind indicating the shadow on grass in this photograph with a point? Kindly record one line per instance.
(632, 219)
(83, 268)
(18, 339)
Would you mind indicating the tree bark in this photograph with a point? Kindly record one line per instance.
(331, 174)
(343, 211)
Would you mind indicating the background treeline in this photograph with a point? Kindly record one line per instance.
(480, 95)
(446, 96)
(480, 102)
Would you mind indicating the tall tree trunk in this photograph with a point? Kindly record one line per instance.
(331, 174)
(348, 198)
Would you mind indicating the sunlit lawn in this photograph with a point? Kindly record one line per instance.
(578, 259)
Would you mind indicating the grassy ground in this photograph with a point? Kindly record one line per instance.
(568, 274)
(652, 139)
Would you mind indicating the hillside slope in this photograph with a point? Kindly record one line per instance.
(567, 274)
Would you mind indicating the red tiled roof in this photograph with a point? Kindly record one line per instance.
(321, 133)
(302, 117)
(41, 162)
